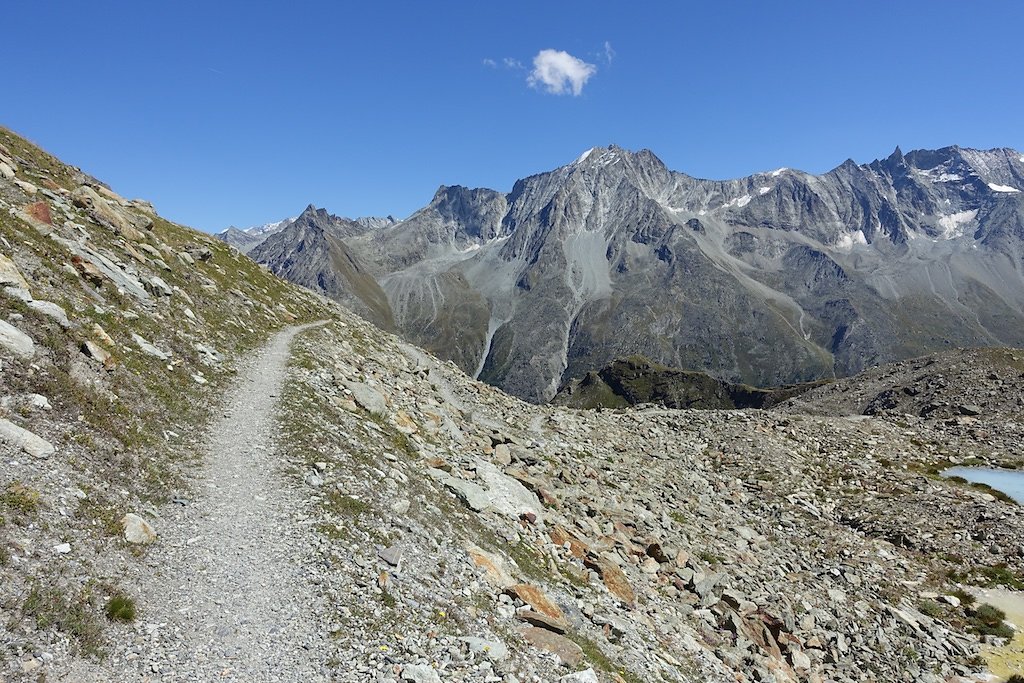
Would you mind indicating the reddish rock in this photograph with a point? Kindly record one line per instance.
(569, 652)
(614, 579)
(492, 566)
(88, 270)
(40, 211)
(560, 536)
(535, 597)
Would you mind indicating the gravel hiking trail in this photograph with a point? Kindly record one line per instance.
(225, 593)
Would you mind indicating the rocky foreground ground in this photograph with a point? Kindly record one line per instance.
(431, 527)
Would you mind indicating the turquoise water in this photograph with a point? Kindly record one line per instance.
(1010, 482)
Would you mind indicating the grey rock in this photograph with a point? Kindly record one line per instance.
(19, 437)
(494, 650)
(392, 555)
(158, 287)
(148, 348)
(368, 398)
(52, 310)
(16, 342)
(420, 673)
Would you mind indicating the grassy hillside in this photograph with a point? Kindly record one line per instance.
(157, 316)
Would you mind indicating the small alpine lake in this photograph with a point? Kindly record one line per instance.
(1010, 482)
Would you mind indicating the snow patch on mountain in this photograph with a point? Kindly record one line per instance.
(738, 202)
(953, 224)
(267, 228)
(848, 240)
(1002, 188)
(583, 157)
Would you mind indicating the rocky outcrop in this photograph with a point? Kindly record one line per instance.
(636, 380)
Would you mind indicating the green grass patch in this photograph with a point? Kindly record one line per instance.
(986, 620)
(71, 614)
(599, 660)
(120, 608)
(20, 501)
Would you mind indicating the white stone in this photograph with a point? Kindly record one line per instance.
(10, 275)
(62, 548)
(19, 293)
(137, 530)
(34, 445)
(16, 341)
(420, 673)
(52, 310)
(26, 187)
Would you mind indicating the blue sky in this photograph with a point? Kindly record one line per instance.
(239, 113)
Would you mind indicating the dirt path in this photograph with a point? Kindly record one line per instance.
(226, 593)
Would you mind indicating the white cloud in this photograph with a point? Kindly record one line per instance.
(609, 53)
(512, 63)
(490, 62)
(560, 73)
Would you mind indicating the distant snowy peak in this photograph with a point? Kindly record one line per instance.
(268, 228)
(375, 222)
(246, 239)
(1001, 169)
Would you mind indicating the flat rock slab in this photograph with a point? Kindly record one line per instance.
(368, 398)
(492, 566)
(420, 673)
(569, 652)
(535, 597)
(16, 341)
(19, 437)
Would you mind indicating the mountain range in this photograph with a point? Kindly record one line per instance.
(773, 279)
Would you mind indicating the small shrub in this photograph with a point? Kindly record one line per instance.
(120, 608)
(931, 608)
(987, 620)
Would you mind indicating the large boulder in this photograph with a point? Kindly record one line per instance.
(101, 210)
(10, 276)
(33, 444)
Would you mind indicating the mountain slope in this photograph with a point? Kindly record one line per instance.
(777, 278)
(311, 253)
(418, 525)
